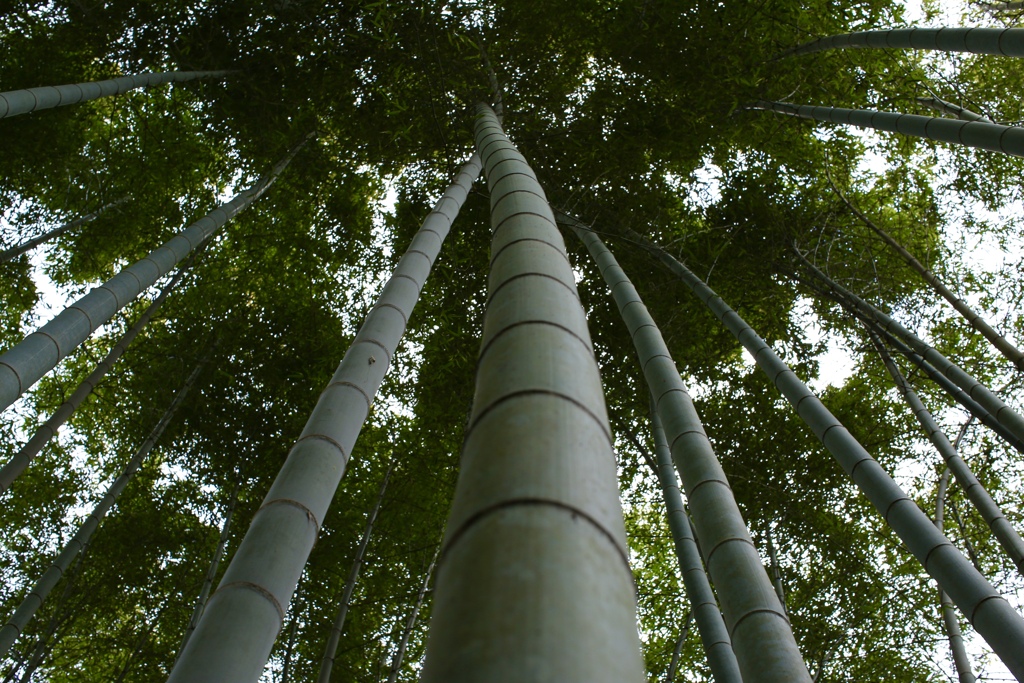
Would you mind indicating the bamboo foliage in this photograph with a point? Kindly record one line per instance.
(39, 592)
(533, 582)
(981, 41)
(992, 616)
(236, 633)
(1001, 528)
(761, 637)
(338, 627)
(991, 136)
(15, 102)
(25, 363)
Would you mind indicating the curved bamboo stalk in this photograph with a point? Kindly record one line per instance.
(211, 573)
(25, 363)
(991, 136)
(975, 492)
(757, 624)
(956, 110)
(533, 582)
(15, 102)
(956, 639)
(20, 249)
(1008, 42)
(1009, 351)
(20, 461)
(249, 605)
(992, 616)
(37, 595)
(403, 644)
(1008, 417)
(327, 661)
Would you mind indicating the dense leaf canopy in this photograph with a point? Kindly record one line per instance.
(634, 115)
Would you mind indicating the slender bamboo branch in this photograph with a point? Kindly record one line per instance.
(992, 616)
(1009, 351)
(250, 603)
(20, 249)
(673, 665)
(327, 661)
(211, 573)
(776, 573)
(15, 102)
(991, 136)
(1001, 528)
(37, 595)
(403, 644)
(25, 363)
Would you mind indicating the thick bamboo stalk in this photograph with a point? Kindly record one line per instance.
(991, 136)
(992, 616)
(20, 461)
(20, 249)
(956, 110)
(211, 573)
(949, 620)
(1009, 351)
(236, 633)
(533, 582)
(338, 627)
(37, 595)
(24, 364)
(756, 624)
(410, 624)
(1001, 528)
(15, 102)
(1008, 417)
(980, 41)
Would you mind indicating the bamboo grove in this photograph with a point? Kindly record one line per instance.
(465, 341)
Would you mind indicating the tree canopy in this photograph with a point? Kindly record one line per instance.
(635, 116)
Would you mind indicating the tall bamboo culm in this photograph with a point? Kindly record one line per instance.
(533, 583)
(25, 363)
(35, 598)
(15, 102)
(235, 635)
(991, 136)
(992, 616)
(758, 629)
